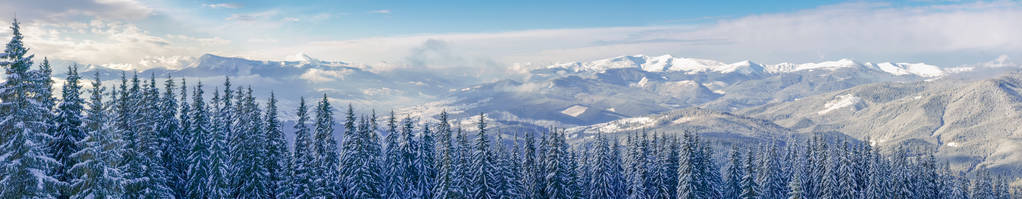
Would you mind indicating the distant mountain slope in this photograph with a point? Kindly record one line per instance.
(720, 126)
(971, 123)
(341, 81)
(586, 93)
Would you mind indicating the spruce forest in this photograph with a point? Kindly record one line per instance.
(181, 139)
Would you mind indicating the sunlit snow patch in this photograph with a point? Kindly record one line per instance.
(575, 110)
(839, 102)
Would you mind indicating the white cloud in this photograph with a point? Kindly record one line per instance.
(321, 75)
(222, 5)
(942, 35)
(60, 10)
(383, 11)
(946, 35)
(112, 43)
(253, 16)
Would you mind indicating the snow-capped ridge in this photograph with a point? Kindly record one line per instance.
(669, 63)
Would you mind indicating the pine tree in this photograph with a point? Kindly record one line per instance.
(749, 186)
(463, 166)
(252, 167)
(558, 171)
(68, 131)
(426, 164)
(23, 127)
(483, 182)
(445, 185)
(636, 168)
(301, 163)
(689, 176)
(982, 187)
(200, 169)
(327, 160)
(735, 172)
(96, 174)
(607, 180)
(507, 173)
(219, 181)
(185, 137)
(277, 158)
(153, 180)
(172, 139)
(795, 188)
(771, 182)
(394, 184)
(408, 150)
(361, 170)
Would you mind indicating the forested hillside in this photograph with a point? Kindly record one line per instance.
(147, 139)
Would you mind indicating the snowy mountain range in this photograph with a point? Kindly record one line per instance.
(893, 104)
(668, 63)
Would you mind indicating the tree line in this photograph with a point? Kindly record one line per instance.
(138, 140)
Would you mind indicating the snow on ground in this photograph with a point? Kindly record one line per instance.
(683, 120)
(923, 70)
(575, 110)
(839, 102)
(642, 83)
(627, 124)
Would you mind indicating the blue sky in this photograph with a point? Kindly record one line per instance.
(512, 35)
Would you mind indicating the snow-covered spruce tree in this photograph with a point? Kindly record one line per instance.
(426, 164)
(749, 186)
(795, 188)
(531, 174)
(96, 174)
(900, 177)
(636, 168)
(928, 180)
(42, 84)
(847, 181)
(198, 184)
(42, 81)
(23, 127)
(277, 157)
(172, 140)
(463, 165)
(69, 131)
(361, 171)
(149, 142)
(670, 158)
(816, 166)
(447, 172)
(256, 181)
(559, 174)
(982, 187)
(770, 179)
(689, 177)
(393, 174)
(734, 173)
(237, 141)
(711, 172)
(408, 149)
(327, 160)
(349, 145)
(301, 163)
(607, 180)
(219, 152)
(484, 181)
(508, 174)
(135, 126)
(185, 134)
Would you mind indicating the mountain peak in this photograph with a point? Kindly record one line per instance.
(303, 58)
